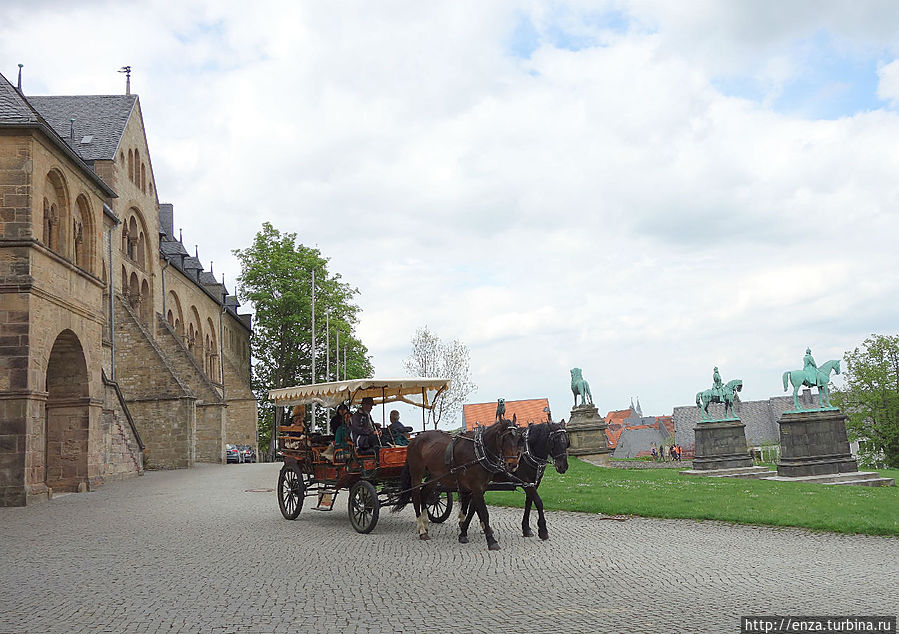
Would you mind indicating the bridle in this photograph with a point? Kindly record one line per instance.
(537, 461)
(493, 464)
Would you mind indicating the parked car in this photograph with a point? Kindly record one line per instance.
(233, 454)
(247, 453)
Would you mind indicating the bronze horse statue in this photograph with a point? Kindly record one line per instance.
(728, 396)
(580, 386)
(463, 463)
(820, 380)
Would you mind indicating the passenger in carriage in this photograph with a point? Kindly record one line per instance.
(362, 429)
(337, 418)
(340, 424)
(398, 431)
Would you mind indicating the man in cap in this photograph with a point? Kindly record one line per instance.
(362, 429)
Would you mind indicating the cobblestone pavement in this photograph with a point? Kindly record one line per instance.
(194, 551)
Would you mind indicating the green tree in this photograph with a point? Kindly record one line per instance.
(276, 277)
(871, 399)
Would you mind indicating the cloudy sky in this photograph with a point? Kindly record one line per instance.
(643, 190)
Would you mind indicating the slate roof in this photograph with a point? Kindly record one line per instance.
(634, 440)
(102, 117)
(16, 110)
(526, 411)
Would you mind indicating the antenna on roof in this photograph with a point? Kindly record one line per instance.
(196, 252)
(180, 236)
(19, 86)
(127, 71)
(210, 267)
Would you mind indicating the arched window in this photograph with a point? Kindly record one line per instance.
(48, 226)
(146, 306)
(124, 282)
(131, 165)
(133, 234)
(170, 317)
(57, 227)
(136, 167)
(143, 178)
(134, 291)
(140, 252)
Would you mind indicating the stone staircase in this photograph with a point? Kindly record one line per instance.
(753, 473)
(855, 478)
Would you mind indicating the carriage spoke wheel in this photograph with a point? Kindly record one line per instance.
(364, 506)
(439, 506)
(291, 492)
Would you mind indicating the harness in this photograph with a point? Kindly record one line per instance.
(493, 464)
(538, 462)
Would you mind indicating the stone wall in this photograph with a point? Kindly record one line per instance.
(162, 406)
(243, 417)
(121, 453)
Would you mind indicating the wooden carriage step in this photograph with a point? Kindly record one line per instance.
(325, 501)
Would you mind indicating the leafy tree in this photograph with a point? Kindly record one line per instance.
(871, 399)
(432, 358)
(275, 277)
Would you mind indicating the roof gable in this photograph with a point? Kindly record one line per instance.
(101, 117)
(13, 108)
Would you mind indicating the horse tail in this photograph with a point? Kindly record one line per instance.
(406, 489)
(698, 399)
(786, 380)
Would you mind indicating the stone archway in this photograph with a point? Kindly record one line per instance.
(67, 415)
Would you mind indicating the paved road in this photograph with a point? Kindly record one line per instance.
(193, 551)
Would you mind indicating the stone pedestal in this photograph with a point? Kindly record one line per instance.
(814, 443)
(720, 445)
(587, 432)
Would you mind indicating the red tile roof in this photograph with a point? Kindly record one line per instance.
(668, 422)
(527, 411)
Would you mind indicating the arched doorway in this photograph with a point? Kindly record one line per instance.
(67, 415)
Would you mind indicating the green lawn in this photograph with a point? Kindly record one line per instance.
(666, 493)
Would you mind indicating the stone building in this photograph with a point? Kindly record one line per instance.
(118, 351)
(631, 434)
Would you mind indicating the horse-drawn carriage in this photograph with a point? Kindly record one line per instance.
(313, 468)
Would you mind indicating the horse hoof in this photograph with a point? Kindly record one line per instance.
(463, 539)
(527, 532)
(493, 546)
(544, 535)
(424, 537)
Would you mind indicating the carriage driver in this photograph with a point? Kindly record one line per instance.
(362, 429)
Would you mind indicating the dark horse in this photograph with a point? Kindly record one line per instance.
(464, 463)
(540, 444)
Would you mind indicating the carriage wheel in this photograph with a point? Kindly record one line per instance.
(291, 492)
(364, 506)
(439, 506)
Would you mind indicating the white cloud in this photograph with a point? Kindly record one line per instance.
(605, 207)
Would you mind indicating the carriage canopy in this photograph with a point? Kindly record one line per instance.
(417, 391)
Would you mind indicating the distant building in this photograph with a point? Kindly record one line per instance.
(630, 434)
(534, 410)
(760, 418)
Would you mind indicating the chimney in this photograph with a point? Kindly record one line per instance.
(72, 129)
(167, 219)
(19, 86)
